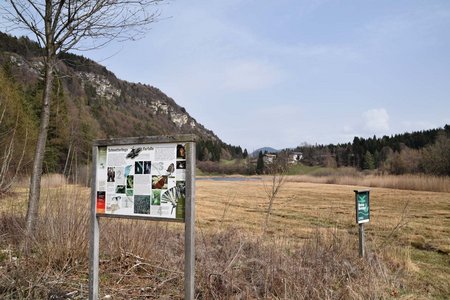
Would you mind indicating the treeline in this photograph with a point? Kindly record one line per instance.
(425, 151)
(208, 150)
(22, 45)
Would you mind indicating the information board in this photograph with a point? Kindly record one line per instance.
(362, 204)
(142, 180)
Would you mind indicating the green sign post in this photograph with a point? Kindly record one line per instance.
(362, 205)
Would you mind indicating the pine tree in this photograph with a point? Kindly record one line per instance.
(260, 163)
(369, 161)
(245, 155)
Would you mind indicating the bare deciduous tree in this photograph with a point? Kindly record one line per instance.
(277, 172)
(63, 25)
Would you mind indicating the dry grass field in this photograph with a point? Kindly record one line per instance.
(412, 228)
(309, 251)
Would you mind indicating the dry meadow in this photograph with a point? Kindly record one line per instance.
(309, 250)
(411, 228)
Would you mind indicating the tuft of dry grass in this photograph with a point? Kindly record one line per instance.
(239, 266)
(53, 180)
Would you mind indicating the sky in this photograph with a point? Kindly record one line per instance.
(287, 72)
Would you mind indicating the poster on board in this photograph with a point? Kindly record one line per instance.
(147, 180)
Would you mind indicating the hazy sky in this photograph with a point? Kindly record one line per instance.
(280, 73)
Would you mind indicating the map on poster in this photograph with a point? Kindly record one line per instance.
(142, 180)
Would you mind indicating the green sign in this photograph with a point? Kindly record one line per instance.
(362, 204)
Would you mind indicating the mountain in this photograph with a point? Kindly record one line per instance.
(264, 149)
(89, 102)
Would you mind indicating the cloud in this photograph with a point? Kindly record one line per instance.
(376, 120)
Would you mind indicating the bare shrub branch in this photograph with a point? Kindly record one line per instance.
(277, 171)
(8, 174)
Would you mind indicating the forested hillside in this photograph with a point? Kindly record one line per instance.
(89, 102)
(426, 151)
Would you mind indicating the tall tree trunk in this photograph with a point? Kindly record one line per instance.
(36, 174)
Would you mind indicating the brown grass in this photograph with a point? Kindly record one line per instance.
(310, 251)
(411, 229)
(402, 182)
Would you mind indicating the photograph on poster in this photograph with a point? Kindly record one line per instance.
(181, 185)
(128, 170)
(181, 165)
(181, 152)
(147, 167)
(130, 181)
(159, 182)
(156, 197)
(142, 204)
(120, 189)
(113, 203)
(138, 167)
(111, 174)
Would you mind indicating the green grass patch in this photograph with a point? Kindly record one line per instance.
(301, 169)
(226, 162)
(433, 272)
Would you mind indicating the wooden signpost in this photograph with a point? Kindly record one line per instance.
(362, 205)
(149, 178)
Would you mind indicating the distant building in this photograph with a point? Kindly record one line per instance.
(268, 158)
(295, 157)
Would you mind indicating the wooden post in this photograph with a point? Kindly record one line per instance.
(95, 234)
(361, 240)
(189, 223)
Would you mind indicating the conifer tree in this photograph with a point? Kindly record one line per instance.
(369, 162)
(245, 154)
(260, 163)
